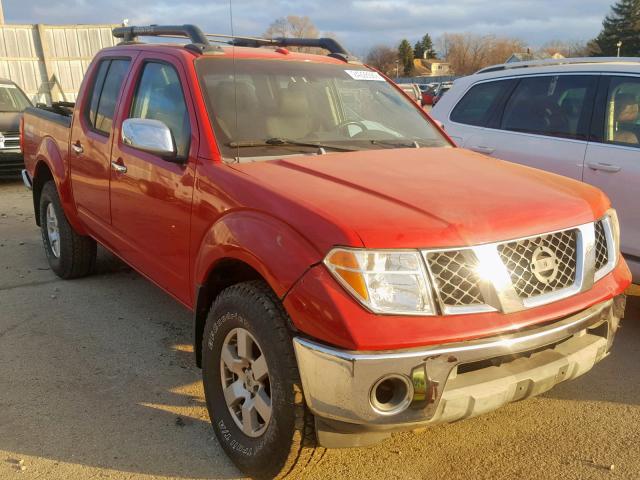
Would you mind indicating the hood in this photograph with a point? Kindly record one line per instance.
(429, 197)
(9, 121)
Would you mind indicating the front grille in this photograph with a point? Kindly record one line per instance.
(455, 278)
(12, 139)
(602, 253)
(518, 257)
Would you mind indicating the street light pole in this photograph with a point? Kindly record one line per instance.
(619, 44)
(397, 64)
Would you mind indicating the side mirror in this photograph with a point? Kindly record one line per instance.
(149, 135)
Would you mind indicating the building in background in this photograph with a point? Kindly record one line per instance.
(49, 61)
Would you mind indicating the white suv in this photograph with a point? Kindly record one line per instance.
(575, 117)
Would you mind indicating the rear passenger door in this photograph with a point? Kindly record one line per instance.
(613, 156)
(543, 124)
(91, 141)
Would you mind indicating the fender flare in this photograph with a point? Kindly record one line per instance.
(48, 155)
(268, 248)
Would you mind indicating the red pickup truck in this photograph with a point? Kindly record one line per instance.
(350, 271)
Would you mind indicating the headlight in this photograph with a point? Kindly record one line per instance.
(615, 232)
(392, 282)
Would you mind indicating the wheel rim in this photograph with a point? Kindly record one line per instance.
(245, 382)
(53, 231)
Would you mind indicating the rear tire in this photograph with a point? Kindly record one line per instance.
(285, 444)
(70, 255)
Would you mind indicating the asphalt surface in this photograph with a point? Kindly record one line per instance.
(97, 381)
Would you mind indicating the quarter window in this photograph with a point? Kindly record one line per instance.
(622, 120)
(556, 106)
(105, 93)
(478, 103)
(159, 97)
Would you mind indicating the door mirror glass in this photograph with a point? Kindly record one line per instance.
(149, 135)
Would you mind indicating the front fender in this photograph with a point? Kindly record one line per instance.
(276, 251)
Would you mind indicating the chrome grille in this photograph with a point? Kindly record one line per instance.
(602, 253)
(455, 278)
(11, 140)
(518, 258)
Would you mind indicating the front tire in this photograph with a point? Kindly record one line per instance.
(252, 385)
(69, 254)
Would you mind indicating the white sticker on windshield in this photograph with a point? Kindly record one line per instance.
(365, 75)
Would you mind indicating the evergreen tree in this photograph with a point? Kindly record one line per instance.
(621, 25)
(422, 46)
(405, 56)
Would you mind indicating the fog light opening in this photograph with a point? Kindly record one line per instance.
(391, 395)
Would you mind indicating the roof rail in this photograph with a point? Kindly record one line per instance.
(199, 41)
(332, 45)
(559, 61)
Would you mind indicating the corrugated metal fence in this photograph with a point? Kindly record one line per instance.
(49, 61)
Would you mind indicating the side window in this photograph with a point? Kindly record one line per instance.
(105, 93)
(622, 118)
(478, 103)
(159, 97)
(556, 106)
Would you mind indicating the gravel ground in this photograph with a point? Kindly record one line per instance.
(97, 381)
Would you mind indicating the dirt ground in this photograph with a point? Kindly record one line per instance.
(97, 381)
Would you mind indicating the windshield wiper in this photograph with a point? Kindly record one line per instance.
(278, 142)
(395, 144)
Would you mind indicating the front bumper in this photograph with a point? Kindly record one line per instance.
(11, 163)
(449, 382)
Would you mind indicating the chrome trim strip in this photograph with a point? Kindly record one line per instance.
(612, 259)
(26, 179)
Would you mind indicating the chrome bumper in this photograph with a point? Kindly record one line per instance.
(450, 382)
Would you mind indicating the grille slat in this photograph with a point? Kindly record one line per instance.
(455, 278)
(602, 253)
(519, 259)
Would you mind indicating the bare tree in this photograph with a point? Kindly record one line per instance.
(467, 52)
(574, 48)
(294, 26)
(383, 58)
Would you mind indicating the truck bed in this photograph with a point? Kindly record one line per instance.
(42, 123)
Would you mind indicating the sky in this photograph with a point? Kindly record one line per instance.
(358, 24)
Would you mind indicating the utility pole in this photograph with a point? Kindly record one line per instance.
(1, 14)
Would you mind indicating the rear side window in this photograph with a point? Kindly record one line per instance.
(159, 97)
(557, 106)
(105, 93)
(622, 120)
(478, 103)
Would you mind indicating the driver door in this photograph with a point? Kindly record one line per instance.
(151, 196)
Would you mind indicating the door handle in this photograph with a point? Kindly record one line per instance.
(605, 167)
(77, 147)
(118, 167)
(482, 149)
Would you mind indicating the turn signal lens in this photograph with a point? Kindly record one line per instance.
(392, 282)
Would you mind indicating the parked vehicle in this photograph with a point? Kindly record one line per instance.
(428, 95)
(344, 283)
(412, 90)
(13, 101)
(575, 117)
(443, 88)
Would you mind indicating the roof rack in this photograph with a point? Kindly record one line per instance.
(201, 42)
(559, 61)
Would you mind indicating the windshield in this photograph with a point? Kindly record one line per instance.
(12, 99)
(287, 107)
